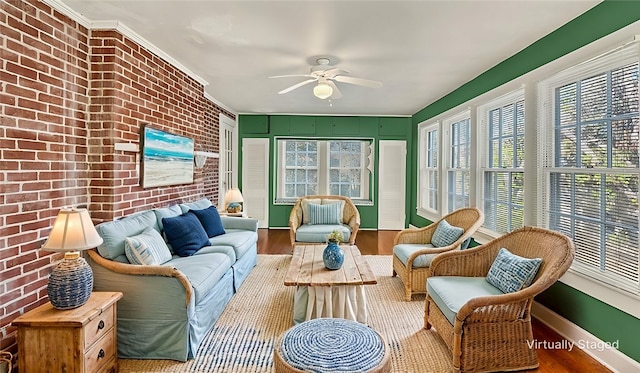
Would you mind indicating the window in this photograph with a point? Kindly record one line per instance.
(308, 166)
(592, 166)
(458, 175)
(428, 171)
(503, 169)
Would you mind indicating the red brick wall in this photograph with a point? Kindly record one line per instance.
(67, 95)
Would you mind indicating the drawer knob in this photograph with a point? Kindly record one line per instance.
(101, 354)
(101, 324)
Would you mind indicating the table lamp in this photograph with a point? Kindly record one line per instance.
(233, 200)
(71, 282)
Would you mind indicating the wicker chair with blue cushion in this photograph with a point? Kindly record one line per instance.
(479, 300)
(414, 249)
(312, 218)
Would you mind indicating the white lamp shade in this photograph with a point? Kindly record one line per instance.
(322, 91)
(73, 230)
(233, 195)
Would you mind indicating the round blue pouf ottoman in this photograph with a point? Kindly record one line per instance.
(331, 345)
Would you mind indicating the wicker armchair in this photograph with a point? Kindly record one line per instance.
(415, 278)
(350, 217)
(491, 333)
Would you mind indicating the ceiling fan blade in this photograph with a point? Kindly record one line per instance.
(336, 92)
(286, 90)
(357, 81)
(335, 71)
(292, 76)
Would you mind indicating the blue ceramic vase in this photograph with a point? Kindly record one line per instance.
(333, 256)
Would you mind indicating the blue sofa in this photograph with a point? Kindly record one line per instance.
(167, 309)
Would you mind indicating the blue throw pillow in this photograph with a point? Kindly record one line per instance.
(147, 248)
(510, 272)
(210, 220)
(185, 234)
(445, 234)
(325, 214)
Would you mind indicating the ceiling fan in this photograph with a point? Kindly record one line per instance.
(326, 76)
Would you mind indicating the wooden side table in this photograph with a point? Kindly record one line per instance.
(80, 340)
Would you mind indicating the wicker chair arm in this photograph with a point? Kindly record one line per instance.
(415, 235)
(474, 262)
(143, 270)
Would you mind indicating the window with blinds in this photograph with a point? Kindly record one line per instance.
(458, 175)
(309, 166)
(428, 168)
(503, 173)
(592, 166)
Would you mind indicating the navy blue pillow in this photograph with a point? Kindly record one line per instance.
(210, 220)
(185, 234)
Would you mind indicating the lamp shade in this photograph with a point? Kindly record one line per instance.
(322, 91)
(233, 195)
(73, 230)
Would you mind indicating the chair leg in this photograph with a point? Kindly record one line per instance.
(427, 324)
(394, 273)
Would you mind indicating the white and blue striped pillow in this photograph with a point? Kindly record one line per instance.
(325, 214)
(147, 248)
(510, 272)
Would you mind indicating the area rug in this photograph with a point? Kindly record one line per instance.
(243, 338)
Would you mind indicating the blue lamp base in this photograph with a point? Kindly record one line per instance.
(70, 283)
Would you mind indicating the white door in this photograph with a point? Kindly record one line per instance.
(228, 156)
(392, 184)
(255, 179)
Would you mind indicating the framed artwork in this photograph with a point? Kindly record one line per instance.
(167, 159)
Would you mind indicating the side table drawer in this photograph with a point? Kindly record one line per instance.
(101, 353)
(98, 327)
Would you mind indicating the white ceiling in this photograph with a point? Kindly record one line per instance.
(419, 50)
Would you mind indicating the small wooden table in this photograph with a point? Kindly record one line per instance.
(324, 293)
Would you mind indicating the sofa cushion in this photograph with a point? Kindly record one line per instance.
(147, 248)
(510, 272)
(450, 293)
(305, 207)
(404, 251)
(319, 232)
(166, 212)
(185, 234)
(203, 271)
(324, 214)
(197, 205)
(222, 249)
(210, 220)
(240, 240)
(445, 234)
(114, 233)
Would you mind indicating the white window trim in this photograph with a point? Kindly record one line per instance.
(423, 129)
(445, 164)
(323, 168)
(586, 281)
(482, 147)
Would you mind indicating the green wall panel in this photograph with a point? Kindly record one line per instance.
(598, 318)
(326, 127)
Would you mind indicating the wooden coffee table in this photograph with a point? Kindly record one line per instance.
(324, 293)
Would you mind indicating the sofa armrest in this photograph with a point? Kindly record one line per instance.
(232, 222)
(143, 270)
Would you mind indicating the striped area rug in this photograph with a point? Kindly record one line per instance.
(243, 338)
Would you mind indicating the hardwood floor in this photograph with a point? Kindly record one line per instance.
(276, 241)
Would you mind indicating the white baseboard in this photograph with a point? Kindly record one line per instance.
(603, 352)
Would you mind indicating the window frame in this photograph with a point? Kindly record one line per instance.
(323, 167)
(425, 129)
(447, 167)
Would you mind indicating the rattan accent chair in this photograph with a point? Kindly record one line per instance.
(490, 333)
(415, 278)
(350, 217)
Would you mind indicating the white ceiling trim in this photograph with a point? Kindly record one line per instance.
(126, 31)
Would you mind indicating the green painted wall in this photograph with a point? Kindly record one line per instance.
(325, 127)
(600, 319)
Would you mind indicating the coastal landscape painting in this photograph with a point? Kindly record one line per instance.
(167, 159)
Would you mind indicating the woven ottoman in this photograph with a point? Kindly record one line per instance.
(331, 345)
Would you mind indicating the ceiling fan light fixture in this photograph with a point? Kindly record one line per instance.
(322, 91)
